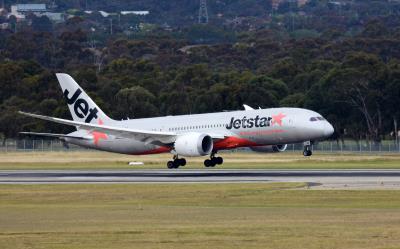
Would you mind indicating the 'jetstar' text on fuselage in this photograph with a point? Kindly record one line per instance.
(249, 122)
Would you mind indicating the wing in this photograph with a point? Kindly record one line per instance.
(141, 135)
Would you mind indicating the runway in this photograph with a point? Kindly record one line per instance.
(319, 179)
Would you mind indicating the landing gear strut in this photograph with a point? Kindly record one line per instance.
(307, 149)
(213, 160)
(176, 162)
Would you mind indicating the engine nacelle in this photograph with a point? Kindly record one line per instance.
(270, 148)
(193, 144)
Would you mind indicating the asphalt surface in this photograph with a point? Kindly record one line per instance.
(320, 179)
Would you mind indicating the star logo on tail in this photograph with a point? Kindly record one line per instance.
(277, 119)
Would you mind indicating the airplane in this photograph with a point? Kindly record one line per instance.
(262, 130)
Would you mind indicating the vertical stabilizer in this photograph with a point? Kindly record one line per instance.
(81, 106)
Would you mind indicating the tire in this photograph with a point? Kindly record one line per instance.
(170, 164)
(176, 163)
(219, 160)
(182, 162)
(307, 153)
(207, 163)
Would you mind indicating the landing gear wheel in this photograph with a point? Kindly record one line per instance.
(218, 160)
(209, 163)
(182, 161)
(213, 160)
(307, 150)
(176, 162)
(170, 164)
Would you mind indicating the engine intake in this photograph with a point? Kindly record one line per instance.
(270, 148)
(193, 144)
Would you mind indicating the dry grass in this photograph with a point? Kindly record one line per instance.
(104, 160)
(196, 216)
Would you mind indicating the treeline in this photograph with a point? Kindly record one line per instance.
(354, 81)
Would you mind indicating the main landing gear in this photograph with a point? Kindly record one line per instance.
(213, 161)
(176, 162)
(307, 149)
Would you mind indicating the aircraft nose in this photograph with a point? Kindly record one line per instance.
(328, 129)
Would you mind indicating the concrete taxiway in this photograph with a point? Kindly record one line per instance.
(320, 179)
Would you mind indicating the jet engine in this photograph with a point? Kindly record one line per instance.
(270, 148)
(193, 144)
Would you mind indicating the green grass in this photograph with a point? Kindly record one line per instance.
(102, 160)
(274, 215)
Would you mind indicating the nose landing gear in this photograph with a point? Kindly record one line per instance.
(176, 162)
(307, 149)
(213, 160)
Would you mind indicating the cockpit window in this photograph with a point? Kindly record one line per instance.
(313, 119)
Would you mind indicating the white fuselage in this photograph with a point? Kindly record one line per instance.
(249, 128)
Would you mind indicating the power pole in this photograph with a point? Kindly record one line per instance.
(111, 26)
(203, 13)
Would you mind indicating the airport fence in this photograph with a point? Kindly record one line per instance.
(348, 146)
(27, 145)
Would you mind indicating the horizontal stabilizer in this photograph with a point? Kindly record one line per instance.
(60, 136)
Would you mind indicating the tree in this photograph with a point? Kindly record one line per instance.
(261, 91)
(42, 24)
(135, 102)
(11, 74)
(391, 99)
(359, 82)
(10, 122)
(374, 29)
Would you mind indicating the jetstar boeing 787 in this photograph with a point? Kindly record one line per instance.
(263, 130)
